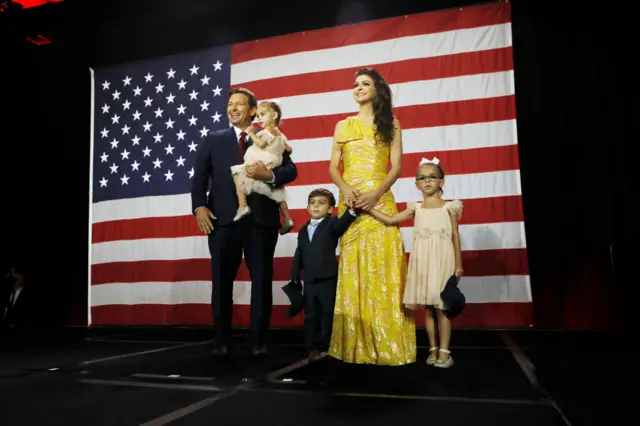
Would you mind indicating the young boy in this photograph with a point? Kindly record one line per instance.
(315, 257)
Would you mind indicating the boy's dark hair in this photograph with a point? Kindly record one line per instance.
(321, 192)
(253, 102)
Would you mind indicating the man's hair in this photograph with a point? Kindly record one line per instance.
(253, 102)
(321, 192)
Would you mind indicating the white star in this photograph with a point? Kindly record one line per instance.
(205, 80)
(146, 152)
(169, 123)
(203, 132)
(147, 126)
(171, 73)
(103, 182)
(105, 108)
(136, 140)
(169, 149)
(159, 88)
(126, 104)
(148, 78)
(191, 172)
(169, 175)
(114, 143)
(127, 81)
(116, 95)
(145, 177)
(156, 164)
(192, 120)
(182, 84)
(158, 137)
(104, 132)
(217, 66)
(125, 180)
(105, 85)
(180, 134)
(125, 154)
(192, 146)
(136, 116)
(134, 165)
(159, 112)
(216, 117)
(204, 105)
(180, 161)
(125, 130)
(114, 168)
(194, 69)
(103, 157)
(148, 101)
(170, 98)
(115, 119)
(193, 95)
(137, 91)
(181, 109)
(217, 91)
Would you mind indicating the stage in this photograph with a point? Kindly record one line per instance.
(161, 376)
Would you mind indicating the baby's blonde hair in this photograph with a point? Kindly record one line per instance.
(273, 106)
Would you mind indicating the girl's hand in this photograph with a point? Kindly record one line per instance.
(367, 201)
(459, 271)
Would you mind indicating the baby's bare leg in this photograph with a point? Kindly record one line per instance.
(242, 197)
(284, 208)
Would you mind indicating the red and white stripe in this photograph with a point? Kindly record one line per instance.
(451, 73)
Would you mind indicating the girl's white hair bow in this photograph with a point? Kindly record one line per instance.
(426, 161)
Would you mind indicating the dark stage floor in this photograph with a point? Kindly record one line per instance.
(165, 376)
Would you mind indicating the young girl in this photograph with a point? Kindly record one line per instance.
(435, 255)
(268, 147)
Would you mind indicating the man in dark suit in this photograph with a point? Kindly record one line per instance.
(315, 258)
(256, 234)
(15, 303)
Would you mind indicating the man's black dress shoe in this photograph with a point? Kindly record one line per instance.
(259, 350)
(220, 350)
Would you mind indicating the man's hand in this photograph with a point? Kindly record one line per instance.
(204, 217)
(259, 171)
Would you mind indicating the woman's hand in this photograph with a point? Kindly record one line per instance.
(349, 196)
(367, 201)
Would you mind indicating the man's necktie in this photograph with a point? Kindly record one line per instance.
(242, 143)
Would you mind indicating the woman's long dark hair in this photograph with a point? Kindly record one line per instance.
(382, 105)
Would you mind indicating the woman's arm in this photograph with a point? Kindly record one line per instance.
(396, 160)
(347, 191)
(336, 157)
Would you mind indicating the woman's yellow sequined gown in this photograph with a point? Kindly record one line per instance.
(370, 325)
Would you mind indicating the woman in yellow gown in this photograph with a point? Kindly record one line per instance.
(370, 325)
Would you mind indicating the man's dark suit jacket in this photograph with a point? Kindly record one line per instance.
(217, 154)
(316, 259)
(20, 314)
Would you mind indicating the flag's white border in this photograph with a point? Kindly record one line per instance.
(91, 127)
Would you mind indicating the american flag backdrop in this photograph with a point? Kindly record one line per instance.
(451, 73)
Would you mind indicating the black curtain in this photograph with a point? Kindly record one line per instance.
(570, 98)
(572, 115)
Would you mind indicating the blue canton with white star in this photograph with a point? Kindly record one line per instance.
(150, 118)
